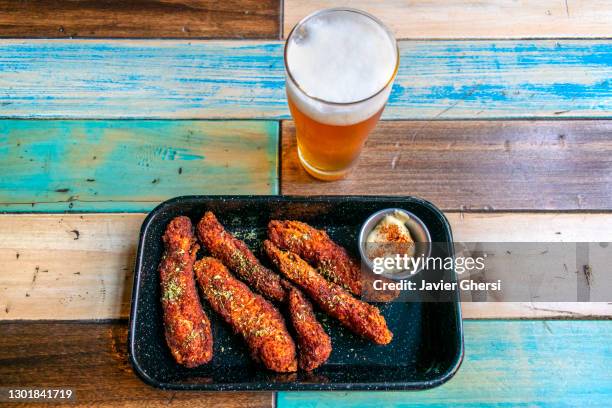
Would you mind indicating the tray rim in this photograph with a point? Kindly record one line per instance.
(249, 386)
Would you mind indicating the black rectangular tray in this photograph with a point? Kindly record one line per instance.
(427, 346)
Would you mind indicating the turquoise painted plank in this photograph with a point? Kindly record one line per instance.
(507, 364)
(244, 79)
(117, 165)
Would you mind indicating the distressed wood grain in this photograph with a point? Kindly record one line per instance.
(475, 19)
(67, 266)
(224, 79)
(80, 266)
(520, 363)
(140, 18)
(536, 310)
(501, 165)
(546, 360)
(91, 358)
(131, 165)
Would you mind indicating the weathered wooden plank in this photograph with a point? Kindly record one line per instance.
(131, 165)
(509, 363)
(91, 359)
(475, 19)
(221, 79)
(530, 227)
(67, 266)
(536, 310)
(519, 363)
(80, 266)
(502, 165)
(140, 18)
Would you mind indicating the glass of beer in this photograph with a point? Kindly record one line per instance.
(340, 64)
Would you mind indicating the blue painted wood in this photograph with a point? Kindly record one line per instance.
(58, 165)
(507, 364)
(225, 79)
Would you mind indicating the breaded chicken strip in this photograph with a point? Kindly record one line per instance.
(187, 327)
(314, 344)
(249, 314)
(332, 261)
(360, 317)
(235, 254)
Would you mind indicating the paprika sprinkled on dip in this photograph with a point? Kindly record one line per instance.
(393, 234)
(390, 237)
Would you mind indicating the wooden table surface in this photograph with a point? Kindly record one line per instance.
(501, 115)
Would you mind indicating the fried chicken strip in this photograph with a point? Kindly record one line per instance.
(314, 344)
(332, 260)
(187, 328)
(360, 317)
(235, 254)
(249, 315)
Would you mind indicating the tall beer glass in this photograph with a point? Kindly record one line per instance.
(340, 64)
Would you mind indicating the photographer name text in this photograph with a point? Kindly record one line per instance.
(441, 285)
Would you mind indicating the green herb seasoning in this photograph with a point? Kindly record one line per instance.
(173, 291)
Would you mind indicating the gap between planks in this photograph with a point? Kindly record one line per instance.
(80, 266)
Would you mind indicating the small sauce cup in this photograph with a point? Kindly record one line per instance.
(418, 231)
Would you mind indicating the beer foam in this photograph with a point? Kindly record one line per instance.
(340, 56)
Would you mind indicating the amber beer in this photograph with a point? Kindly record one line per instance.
(340, 65)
